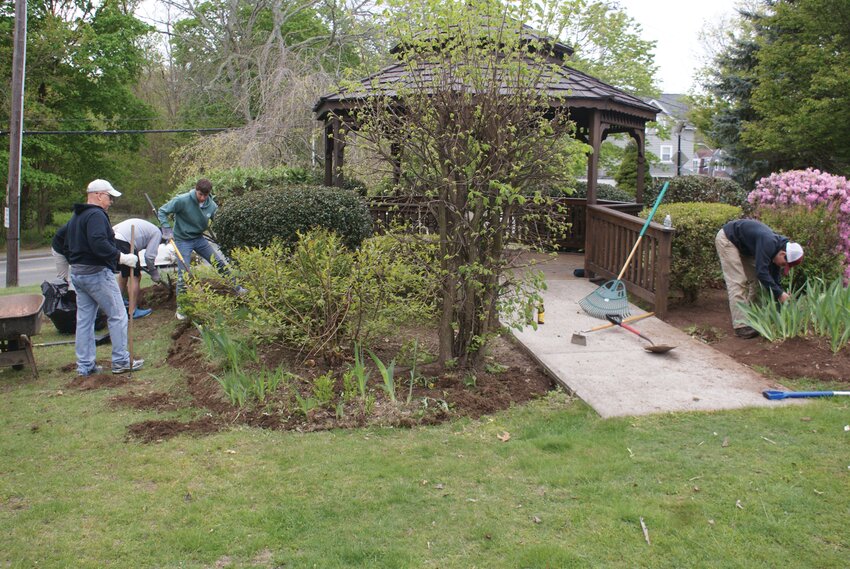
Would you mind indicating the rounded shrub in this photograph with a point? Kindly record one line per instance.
(699, 189)
(283, 213)
(695, 265)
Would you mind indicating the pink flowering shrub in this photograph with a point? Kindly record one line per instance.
(813, 190)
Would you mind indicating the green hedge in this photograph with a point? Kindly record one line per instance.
(695, 265)
(699, 189)
(284, 212)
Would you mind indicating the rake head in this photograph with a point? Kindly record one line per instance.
(610, 298)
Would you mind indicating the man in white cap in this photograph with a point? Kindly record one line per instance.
(752, 254)
(94, 258)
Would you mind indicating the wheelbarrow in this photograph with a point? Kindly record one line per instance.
(20, 319)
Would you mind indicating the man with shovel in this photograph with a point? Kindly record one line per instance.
(751, 254)
(192, 213)
(147, 238)
(94, 258)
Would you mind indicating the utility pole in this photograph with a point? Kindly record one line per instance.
(12, 217)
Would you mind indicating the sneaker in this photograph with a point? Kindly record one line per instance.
(141, 313)
(746, 332)
(93, 371)
(137, 365)
(179, 315)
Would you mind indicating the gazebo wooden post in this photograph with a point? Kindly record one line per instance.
(338, 151)
(329, 154)
(640, 140)
(594, 139)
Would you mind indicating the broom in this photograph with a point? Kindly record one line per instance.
(611, 297)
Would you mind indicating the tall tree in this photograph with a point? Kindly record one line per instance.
(729, 81)
(260, 65)
(82, 62)
(802, 95)
(778, 93)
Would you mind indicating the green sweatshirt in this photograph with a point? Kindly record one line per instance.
(190, 217)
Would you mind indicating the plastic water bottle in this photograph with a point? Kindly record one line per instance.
(668, 221)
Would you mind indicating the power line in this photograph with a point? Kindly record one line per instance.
(113, 132)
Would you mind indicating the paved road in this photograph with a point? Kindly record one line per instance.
(31, 270)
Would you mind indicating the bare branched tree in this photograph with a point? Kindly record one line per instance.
(480, 139)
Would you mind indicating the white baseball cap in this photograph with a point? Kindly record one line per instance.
(102, 186)
(793, 254)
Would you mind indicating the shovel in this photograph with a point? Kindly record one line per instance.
(580, 338)
(654, 348)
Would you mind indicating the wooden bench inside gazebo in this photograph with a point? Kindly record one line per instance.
(606, 231)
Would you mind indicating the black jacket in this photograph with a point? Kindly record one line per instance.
(58, 243)
(89, 239)
(755, 239)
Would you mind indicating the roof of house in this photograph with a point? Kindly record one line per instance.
(672, 104)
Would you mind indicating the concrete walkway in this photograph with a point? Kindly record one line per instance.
(616, 376)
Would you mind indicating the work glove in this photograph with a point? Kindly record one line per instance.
(155, 276)
(167, 234)
(128, 260)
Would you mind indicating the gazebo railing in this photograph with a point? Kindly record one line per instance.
(613, 228)
(614, 235)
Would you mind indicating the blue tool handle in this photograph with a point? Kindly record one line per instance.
(655, 207)
(772, 394)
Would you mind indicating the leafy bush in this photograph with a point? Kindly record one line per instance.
(694, 265)
(283, 213)
(817, 230)
(700, 189)
(809, 188)
(235, 182)
(320, 297)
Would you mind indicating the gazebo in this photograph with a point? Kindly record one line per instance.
(598, 109)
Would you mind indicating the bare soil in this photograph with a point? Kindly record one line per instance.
(511, 378)
(708, 319)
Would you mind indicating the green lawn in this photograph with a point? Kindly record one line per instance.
(749, 488)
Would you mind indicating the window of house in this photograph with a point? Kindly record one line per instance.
(695, 165)
(666, 153)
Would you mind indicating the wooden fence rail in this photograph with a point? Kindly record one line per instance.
(614, 235)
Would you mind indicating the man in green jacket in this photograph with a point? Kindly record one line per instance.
(192, 213)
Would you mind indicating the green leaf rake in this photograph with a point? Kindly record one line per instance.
(610, 297)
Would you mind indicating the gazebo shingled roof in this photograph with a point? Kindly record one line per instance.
(597, 108)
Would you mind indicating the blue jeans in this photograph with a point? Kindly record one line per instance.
(203, 248)
(99, 289)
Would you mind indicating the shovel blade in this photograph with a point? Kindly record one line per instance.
(579, 339)
(659, 349)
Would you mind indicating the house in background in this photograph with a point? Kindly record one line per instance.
(675, 146)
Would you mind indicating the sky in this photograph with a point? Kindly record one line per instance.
(675, 26)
